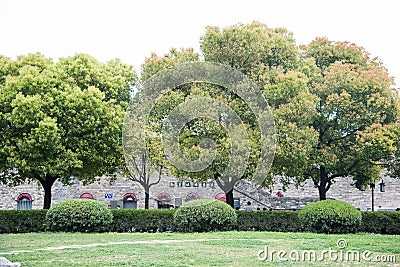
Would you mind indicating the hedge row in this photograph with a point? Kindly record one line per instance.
(381, 222)
(125, 220)
(273, 221)
(129, 220)
(22, 221)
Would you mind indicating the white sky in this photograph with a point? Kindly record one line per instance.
(131, 30)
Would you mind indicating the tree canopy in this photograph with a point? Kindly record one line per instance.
(61, 120)
(213, 120)
(336, 114)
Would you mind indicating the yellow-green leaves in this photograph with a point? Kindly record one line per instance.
(61, 119)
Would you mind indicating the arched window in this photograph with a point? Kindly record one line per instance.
(24, 202)
(163, 201)
(191, 196)
(221, 196)
(129, 201)
(86, 195)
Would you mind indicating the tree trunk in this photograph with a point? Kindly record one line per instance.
(322, 189)
(322, 193)
(146, 200)
(229, 198)
(47, 184)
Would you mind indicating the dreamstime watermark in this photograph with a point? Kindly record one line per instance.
(135, 138)
(341, 254)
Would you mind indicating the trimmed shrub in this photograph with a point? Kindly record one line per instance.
(274, 221)
(130, 220)
(22, 221)
(79, 215)
(202, 215)
(330, 216)
(380, 222)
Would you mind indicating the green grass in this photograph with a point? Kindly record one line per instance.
(191, 249)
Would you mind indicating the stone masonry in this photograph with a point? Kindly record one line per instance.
(178, 192)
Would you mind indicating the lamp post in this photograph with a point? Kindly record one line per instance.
(363, 186)
(372, 186)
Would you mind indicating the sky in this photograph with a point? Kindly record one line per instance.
(132, 30)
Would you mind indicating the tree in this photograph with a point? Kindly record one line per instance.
(155, 63)
(203, 121)
(56, 124)
(254, 49)
(349, 112)
(335, 112)
(143, 161)
(144, 158)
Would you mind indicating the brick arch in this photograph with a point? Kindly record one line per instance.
(132, 195)
(87, 195)
(24, 195)
(164, 197)
(221, 196)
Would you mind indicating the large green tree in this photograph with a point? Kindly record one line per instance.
(61, 120)
(335, 111)
(356, 115)
(204, 125)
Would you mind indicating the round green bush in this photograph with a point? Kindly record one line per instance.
(79, 215)
(330, 216)
(202, 215)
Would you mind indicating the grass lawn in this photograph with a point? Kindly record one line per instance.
(199, 249)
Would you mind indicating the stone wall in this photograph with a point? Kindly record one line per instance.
(294, 198)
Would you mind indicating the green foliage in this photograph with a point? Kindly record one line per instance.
(350, 123)
(334, 109)
(22, 221)
(326, 52)
(79, 215)
(250, 47)
(113, 78)
(155, 63)
(381, 222)
(62, 119)
(246, 147)
(273, 221)
(130, 220)
(330, 216)
(202, 215)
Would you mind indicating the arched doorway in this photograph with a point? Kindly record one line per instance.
(129, 201)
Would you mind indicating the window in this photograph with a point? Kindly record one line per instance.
(163, 201)
(171, 184)
(24, 202)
